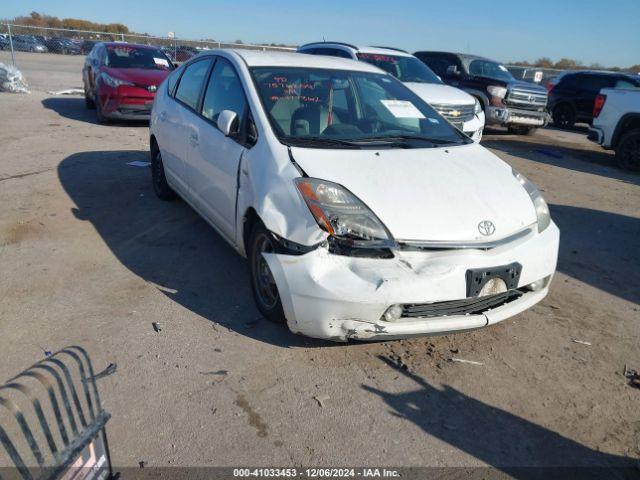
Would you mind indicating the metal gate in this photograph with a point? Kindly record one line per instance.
(52, 424)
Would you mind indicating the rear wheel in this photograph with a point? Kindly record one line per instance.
(519, 130)
(263, 284)
(628, 151)
(564, 116)
(160, 185)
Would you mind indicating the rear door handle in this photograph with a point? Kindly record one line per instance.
(194, 139)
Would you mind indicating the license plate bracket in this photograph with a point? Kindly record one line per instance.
(478, 277)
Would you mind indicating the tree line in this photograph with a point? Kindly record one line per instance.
(35, 19)
(570, 64)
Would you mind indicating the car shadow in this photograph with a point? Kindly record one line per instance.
(600, 249)
(167, 244)
(74, 108)
(506, 442)
(594, 162)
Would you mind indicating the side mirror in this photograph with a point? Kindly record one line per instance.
(452, 71)
(228, 122)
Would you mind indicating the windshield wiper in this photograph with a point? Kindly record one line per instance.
(404, 138)
(319, 142)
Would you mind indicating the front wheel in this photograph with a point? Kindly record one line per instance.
(265, 290)
(628, 151)
(517, 130)
(88, 101)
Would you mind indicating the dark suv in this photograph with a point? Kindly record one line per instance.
(520, 106)
(573, 94)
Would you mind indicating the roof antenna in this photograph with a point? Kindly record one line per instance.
(324, 40)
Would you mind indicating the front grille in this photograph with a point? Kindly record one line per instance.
(456, 114)
(467, 306)
(523, 97)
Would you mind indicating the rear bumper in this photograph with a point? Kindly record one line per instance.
(507, 116)
(596, 135)
(341, 298)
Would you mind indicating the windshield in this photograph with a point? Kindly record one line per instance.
(127, 56)
(344, 109)
(489, 69)
(405, 69)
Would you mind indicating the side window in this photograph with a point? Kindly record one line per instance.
(335, 52)
(224, 92)
(172, 81)
(191, 83)
(594, 83)
(625, 83)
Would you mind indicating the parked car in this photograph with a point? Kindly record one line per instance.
(63, 45)
(121, 79)
(616, 124)
(573, 94)
(518, 105)
(363, 213)
(86, 46)
(4, 43)
(26, 43)
(460, 108)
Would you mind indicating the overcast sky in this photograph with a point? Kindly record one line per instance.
(607, 32)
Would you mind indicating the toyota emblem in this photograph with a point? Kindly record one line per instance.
(486, 228)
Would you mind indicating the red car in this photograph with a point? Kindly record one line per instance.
(121, 79)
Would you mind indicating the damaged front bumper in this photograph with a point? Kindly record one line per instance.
(340, 298)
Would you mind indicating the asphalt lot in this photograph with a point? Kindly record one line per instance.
(89, 256)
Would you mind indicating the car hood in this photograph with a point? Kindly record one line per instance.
(527, 86)
(436, 194)
(441, 94)
(140, 76)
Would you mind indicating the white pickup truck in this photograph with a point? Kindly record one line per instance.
(616, 125)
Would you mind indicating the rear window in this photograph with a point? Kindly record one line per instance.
(405, 69)
(127, 56)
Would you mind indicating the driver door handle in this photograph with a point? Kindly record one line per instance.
(194, 139)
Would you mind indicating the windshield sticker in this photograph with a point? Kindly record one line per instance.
(161, 61)
(121, 50)
(402, 109)
(378, 58)
(434, 120)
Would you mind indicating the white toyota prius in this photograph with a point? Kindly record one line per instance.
(363, 213)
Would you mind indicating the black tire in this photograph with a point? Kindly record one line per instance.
(564, 115)
(160, 185)
(628, 151)
(263, 285)
(88, 101)
(518, 130)
(99, 115)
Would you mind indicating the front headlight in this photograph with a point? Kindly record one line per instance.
(542, 209)
(477, 108)
(113, 82)
(495, 91)
(343, 215)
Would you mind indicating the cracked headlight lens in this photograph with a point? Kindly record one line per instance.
(343, 215)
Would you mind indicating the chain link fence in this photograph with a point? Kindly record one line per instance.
(50, 58)
(23, 38)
